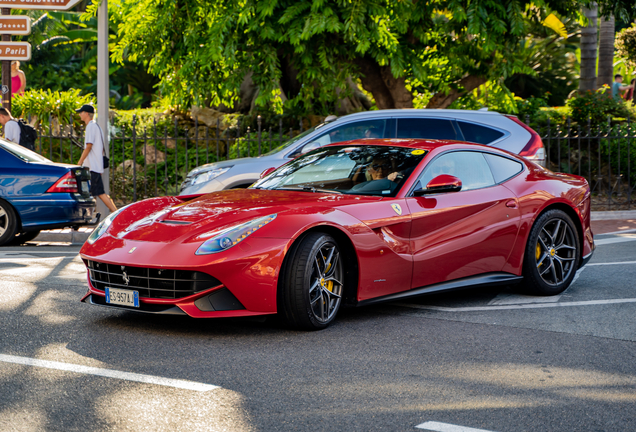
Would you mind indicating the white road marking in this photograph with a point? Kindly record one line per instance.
(515, 299)
(108, 373)
(620, 239)
(511, 307)
(447, 427)
(610, 263)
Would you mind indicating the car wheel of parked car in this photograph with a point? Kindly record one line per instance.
(311, 285)
(552, 254)
(24, 237)
(8, 223)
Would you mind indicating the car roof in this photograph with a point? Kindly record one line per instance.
(433, 112)
(418, 143)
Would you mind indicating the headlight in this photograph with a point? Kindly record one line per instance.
(229, 237)
(206, 176)
(103, 226)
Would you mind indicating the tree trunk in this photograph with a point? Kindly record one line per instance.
(387, 90)
(469, 83)
(606, 52)
(587, 80)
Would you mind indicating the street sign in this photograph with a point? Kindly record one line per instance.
(15, 51)
(39, 4)
(15, 24)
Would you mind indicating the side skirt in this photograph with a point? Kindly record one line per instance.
(473, 281)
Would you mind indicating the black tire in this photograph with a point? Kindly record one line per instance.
(8, 223)
(311, 288)
(24, 237)
(552, 254)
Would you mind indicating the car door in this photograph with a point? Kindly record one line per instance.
(461, 234)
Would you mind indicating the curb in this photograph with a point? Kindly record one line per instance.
(66, 235)
(614, 215)
(78, 237)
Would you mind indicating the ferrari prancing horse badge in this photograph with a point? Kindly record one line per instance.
(397, 209)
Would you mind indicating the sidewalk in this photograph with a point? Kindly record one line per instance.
(602, 223)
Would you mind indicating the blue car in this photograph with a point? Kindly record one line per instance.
(37, 194)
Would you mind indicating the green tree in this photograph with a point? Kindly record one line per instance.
(303, 51)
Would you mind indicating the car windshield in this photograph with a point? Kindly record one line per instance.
(295, 139)
(349, 169)
(21, 152)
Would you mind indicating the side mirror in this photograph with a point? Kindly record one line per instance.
(268, 171)
(305, 149)
(440, 184)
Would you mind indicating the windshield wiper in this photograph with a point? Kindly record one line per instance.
(308, 189)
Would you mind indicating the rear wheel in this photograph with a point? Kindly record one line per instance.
(8, 223)
(311, 285)
(552, 254)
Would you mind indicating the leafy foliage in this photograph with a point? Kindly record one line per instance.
(60, 106)
(201, 51)
(626, 45)
(596, 106)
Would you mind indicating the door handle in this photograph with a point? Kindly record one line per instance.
(511, 203)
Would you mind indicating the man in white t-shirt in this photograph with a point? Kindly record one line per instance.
(93, 154)
(11, 126)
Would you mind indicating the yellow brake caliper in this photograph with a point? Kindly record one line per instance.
(329, 284)
(538, 251)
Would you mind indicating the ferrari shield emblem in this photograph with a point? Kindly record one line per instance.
(397, 208)
(132, 250)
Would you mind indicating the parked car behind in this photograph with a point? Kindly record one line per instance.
(37, 194)
(481, 127)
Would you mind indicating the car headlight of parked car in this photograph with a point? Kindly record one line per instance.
(206, 176)
(231, 236)
(103, 226)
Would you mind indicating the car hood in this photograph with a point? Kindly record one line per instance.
(170, 219)
(227, 163)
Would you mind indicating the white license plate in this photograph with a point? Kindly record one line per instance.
(85, 187)
(122, 297)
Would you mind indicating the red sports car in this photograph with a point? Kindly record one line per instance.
(346, 225)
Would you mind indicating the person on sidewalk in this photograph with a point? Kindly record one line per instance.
(618, 87)
(92, 156)
(629, 94)
(18, 79)
(11, 126)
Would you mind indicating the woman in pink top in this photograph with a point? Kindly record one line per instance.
(18, 79)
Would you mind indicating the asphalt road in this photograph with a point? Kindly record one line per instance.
(484, 359)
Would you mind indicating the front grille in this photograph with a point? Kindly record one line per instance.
(150, 282)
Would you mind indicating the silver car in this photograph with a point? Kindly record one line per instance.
(482, 127)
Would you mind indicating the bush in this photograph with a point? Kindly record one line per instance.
(597, 106)
(60, 106)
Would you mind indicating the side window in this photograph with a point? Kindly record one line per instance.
(349, 131)
(503, 168)
(470, 167)
(479, 134)
(427, 128)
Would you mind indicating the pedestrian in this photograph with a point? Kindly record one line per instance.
(18, 79)
(629, 94)
(618, 87)
(93, 154)
(10, 125)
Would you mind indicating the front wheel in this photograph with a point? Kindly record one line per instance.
(8, 223)
(311, 283)
(552, 254)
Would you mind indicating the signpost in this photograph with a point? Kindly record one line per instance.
(15, 24)
(39, 4)
(20, 25)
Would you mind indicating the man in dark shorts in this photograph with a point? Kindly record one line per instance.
(92, 156)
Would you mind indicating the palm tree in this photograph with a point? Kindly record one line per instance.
(606, 52)
(588, 50)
